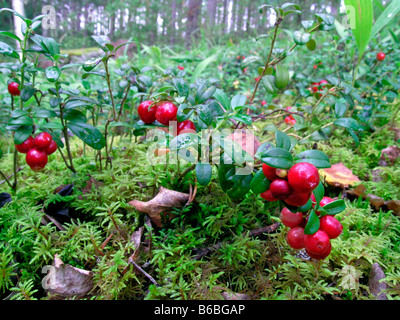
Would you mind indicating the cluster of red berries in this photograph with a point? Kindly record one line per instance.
(240, 57)
(37, 150)
(163, 112)
(294, 186)
(318, 86)
(290, 120)
(318, 244)
(13, 89)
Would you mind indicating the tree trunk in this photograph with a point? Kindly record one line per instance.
(193, 12)
(18, 6)
(225, 18)
(234, 15)
(172, 27)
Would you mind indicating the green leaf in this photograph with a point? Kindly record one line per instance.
(262, 149)
(74, 115)
(203, 173)
(390, 12)
(259, 183)
(90, 64)
(88, 134)
(313, 224)
(52, 73)
(204, 93)
(10, 35)
(22, 133)
(348, 123)
(222, 98)
(283, 140)
(184, 141)
(340, 109)
(181, 86)
(43, 113)
(184, 112)
(319, 193)
(21, 121)
(281, 76)
(315, 157)
(277, 158)
(240, 184)
(238, 100)
(335, 207)
(269, 83)
(102, 41)
(301, 38)
(7, 50)
(202, 66)
(246, 119)
(360, 15)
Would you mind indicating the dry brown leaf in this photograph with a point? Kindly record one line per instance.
(376, 286)
(339, 175)
(67, 281)
(161, 204)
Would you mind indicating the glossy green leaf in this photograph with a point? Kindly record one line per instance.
(335, 207)
(283, 140)
(301, 38)
(8, 50)
(281, 76)
(52, 73)
(260, 183)
(315, 157)
(277, 158)
(203, 173)
(88, 134)
(313, 223)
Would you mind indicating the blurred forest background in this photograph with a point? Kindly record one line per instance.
(159, 22)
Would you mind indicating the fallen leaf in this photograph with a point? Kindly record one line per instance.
(389, 156)
(376, 286)
(67, 281)
(161, 204)
(339, 175)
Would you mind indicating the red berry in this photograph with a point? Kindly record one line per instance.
(25, 146)
(288, 120)
(380, 56)
(315, 66)
(290, 219)
(295, 238)
(298, 199)
(317, 243)
(280, 189)
(288, 108)
(147, 113)
(166, 112)
(331, 226)
(186, 126)
(323, 82)
(322, 255)
(303, 177)
(36, 159)
(269, 172)
(13, 89)
(324, 201)
(51, 148)
(42, 140)
(181, 68)
(292, 122)
(263, 103)
(314, 88)
(268, 196)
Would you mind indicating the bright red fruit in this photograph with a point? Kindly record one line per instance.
(280, 189)
(323, 82)
(303, 177)
(380, 56)
(263, 103)
(147, 113)
(269, 172)
(36, 159)
(322, 255)
(51, 148)
(331, 226)
(290, 219)
(42, 140)
(13, 89)
(25, 146)
(295, 238)
(317, 243)
(186, 126)
(268, 196)
(298, 199)
(325, 200)
(181, 68)
(166, 112)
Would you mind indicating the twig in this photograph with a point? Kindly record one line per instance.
(144, 272)
(6, 179)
